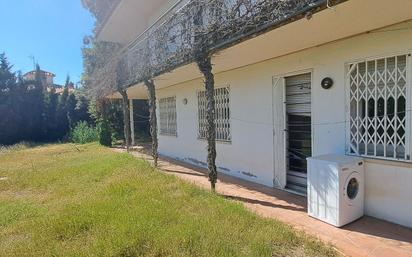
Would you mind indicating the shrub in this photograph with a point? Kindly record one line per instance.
(82, 133)
(105, 136)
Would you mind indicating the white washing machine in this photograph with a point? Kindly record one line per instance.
(336, 188)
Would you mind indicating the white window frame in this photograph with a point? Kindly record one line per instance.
(228, 133)
(168, 127)
(408, 107)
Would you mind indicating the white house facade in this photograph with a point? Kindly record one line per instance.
(336, 82)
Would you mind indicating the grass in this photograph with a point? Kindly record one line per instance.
(67, 200)
(15, 147)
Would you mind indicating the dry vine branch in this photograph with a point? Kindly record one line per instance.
(153, 119)
(205, 66)
(126, 119)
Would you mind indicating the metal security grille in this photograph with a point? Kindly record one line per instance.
(167, 113)
(379, 92)
(299, 129)
(222, 114)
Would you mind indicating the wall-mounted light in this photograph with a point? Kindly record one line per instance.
(327, 83)
(185, 101)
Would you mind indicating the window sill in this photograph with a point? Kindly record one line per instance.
(167, 135)
(223, 142)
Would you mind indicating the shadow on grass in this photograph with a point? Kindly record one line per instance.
(264, 203)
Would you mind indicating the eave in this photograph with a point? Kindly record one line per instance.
(105, 19)
(130, 18)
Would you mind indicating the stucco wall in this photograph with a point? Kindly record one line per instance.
(388, 192)
(251, 139)
(388, 184)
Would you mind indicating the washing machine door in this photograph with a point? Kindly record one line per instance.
(351, 190)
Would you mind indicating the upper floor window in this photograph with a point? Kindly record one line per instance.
(167, 113)
(379, 116)
(222, 114)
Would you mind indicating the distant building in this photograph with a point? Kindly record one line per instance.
(48, 81)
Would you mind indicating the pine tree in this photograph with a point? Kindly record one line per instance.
(105, 137)
(32, 111)
(36, 113)
(62, 119)
(51, 102)
(7, 77)
(71, 110)
(9, 129)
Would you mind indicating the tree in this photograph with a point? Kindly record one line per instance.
(100, 69)
(7, 77)
(101, 77)
(71, 104)
(105, 137)
(33, 112)
(51, 103)
(10, 118)
(63, 125)
(82, 107)
(21, 106)
(111, 111)
(30, 110)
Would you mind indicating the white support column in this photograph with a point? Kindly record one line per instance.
(132, 122)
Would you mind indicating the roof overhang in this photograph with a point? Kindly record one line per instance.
(130, 18)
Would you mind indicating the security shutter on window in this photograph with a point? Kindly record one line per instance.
(167, 111)
(222, 113)
(298, 92)
(379, 115)
(299, 129)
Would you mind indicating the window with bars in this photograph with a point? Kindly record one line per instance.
(167, 114)
(379, 117)
(222, 114)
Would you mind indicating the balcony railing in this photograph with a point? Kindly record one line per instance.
(196, 27)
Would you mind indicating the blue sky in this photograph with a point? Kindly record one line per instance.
(50, 30)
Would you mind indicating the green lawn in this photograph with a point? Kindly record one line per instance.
(66, 200)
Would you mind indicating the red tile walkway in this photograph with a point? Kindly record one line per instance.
(365, 237)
